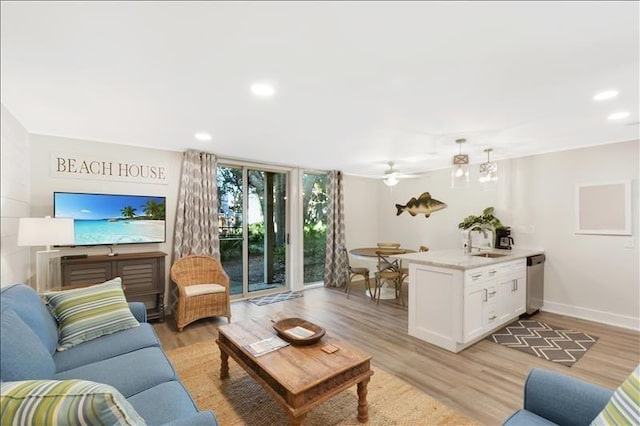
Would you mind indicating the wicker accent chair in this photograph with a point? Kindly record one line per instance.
(203, 289)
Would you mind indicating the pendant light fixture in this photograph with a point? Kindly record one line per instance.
(488, 170)
(460, 168)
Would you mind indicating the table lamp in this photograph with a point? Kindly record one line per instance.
(46, 231)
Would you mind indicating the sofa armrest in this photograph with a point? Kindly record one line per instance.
(200, 418)
(139, 311)
(563, 399)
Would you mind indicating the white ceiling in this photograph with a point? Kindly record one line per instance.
(358, 83)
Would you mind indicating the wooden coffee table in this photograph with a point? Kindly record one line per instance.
(297, 377)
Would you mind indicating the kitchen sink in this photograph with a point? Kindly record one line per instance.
(489, 254)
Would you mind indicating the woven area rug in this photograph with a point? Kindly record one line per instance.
(545, 341)
(239, 400)
(274, 298)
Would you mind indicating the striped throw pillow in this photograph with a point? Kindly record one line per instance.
(624, 406)
(67, 402)
(88, 313)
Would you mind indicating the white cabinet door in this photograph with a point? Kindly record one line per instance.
(506, 289)
(519, 297)
(512, 290)
(512, 297)
(474, 312)
(480, 310)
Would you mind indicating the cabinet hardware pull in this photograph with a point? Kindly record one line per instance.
(484, 296)
(492, 293)
(492, 318)
(492, 272)
(516, 283)
(476, 276)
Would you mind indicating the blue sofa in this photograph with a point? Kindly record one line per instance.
(556, 399)
(131, 361)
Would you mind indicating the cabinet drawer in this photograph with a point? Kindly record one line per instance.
(478, 275)
(491, 316)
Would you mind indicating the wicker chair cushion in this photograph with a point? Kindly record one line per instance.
(198, 289)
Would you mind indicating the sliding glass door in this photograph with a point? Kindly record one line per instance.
(314, 212)
(253, 228)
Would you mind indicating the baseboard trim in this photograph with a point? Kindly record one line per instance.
(592, 315)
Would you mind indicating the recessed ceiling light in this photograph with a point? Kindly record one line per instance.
(203, 136)
(618, 115)
(604, 95)
(263, 89)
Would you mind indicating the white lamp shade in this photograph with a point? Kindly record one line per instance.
(45, 231)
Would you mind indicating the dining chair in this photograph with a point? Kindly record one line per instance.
(353, 272)
(203, 289)
(389, 271)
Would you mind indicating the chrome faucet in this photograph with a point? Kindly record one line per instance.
(468, 247)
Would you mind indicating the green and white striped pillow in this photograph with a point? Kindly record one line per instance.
(624, 406)
(68, 402)
(88, 313)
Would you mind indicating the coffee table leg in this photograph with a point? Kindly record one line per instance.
(224, 364)
(363, 407)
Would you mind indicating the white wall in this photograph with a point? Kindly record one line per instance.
(588, 276)
(361, 207)
(15, 265)
(42, 147)
(440, 230)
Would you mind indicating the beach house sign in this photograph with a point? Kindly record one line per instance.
(88, 167)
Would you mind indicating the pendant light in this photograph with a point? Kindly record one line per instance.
(488, 170)
(460, 168)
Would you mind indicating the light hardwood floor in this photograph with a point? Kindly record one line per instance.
(483, 382)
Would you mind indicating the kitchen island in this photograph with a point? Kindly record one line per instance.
(456, 299)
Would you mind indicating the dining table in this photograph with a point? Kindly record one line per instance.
(371, 254)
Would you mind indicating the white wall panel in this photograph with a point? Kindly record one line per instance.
(14, 199)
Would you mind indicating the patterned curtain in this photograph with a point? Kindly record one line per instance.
(335, 264)
(196, 230)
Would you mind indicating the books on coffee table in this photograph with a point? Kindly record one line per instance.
(265, 346)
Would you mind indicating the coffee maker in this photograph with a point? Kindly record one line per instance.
(503, 238)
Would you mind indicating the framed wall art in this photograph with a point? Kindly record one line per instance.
(603, 208)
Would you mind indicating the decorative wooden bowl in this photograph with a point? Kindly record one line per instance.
(293, 331)
(389, 245)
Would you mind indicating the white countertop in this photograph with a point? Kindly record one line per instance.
(457, 259)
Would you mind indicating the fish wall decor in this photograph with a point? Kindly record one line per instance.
(423, 205)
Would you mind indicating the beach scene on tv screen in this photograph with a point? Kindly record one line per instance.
(113, 219)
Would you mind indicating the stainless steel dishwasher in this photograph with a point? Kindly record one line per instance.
(535, 283)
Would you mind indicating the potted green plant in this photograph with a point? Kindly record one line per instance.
(485, 223)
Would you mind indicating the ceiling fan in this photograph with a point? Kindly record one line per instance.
(392, 175)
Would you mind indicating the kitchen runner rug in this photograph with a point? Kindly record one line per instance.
(274, 298)
(545, 341)
(239, 400)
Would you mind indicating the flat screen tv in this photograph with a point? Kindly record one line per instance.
(110, 219)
